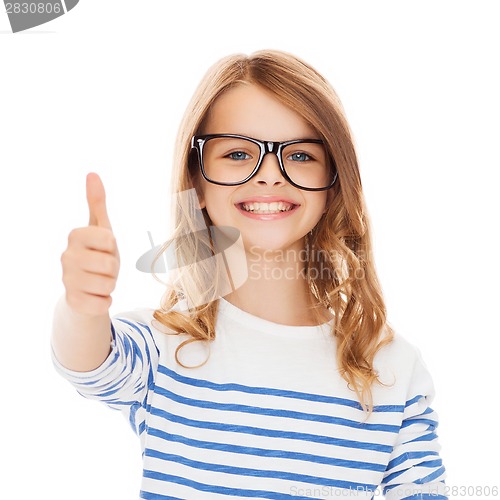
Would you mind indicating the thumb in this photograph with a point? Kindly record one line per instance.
(96, 199)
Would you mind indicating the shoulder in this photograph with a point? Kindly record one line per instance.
(144, 315)
(399, 349)
(139, 321)
(140, 317)
(400, 362)
(142, 321)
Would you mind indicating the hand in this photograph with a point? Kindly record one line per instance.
(91, 261)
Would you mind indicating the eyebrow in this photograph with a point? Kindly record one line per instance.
(296, 138)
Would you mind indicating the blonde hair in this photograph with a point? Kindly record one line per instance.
(352, 291)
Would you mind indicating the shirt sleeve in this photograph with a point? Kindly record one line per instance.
(415, 470)
(124, 379)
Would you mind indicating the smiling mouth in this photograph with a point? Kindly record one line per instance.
(275, 207)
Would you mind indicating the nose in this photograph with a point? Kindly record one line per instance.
(269, 171)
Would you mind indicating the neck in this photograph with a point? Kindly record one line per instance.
(277, 290)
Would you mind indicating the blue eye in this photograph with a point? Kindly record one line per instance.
(299, 157)
(239, 155)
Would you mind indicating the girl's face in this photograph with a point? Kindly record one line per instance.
(250, 110)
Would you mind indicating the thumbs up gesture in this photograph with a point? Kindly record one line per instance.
(91, 261)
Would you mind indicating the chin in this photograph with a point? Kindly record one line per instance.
(263, 243)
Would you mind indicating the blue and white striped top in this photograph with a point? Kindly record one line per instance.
(268, 415)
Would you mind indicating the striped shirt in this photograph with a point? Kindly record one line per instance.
(268, 415)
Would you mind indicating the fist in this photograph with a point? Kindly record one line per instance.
(91, 262)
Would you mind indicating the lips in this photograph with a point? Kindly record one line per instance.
(267, 207)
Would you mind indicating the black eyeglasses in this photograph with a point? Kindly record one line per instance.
(230, 160)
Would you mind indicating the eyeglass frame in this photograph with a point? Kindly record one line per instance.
(266, 147)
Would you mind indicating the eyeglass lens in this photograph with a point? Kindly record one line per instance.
(231, 160)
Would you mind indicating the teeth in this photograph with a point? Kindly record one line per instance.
(274, 207)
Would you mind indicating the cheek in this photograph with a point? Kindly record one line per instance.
(318, 204)
(214, 203)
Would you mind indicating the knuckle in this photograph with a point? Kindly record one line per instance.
(116, 267)
(69, 282)
(74, 235)
(106, 238)
(69, 260)
(66, 280)
(111, 241)
(109, 266)
(98, 285)
(109, 286)
(66, 260)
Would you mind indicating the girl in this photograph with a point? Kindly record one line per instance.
(286, 383)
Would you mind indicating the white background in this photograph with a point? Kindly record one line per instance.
(103, 89)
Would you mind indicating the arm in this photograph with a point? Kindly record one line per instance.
(110, 360)
(80, 342)
(81, 333)
(415, 469)
(124, 379)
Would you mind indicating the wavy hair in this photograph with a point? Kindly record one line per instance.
(341, 238)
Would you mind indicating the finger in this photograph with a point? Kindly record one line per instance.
(90, 283)
(100, 263)
(93, 238)
(96, 284)
(96, 199)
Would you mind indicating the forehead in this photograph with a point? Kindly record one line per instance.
(248, 109)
